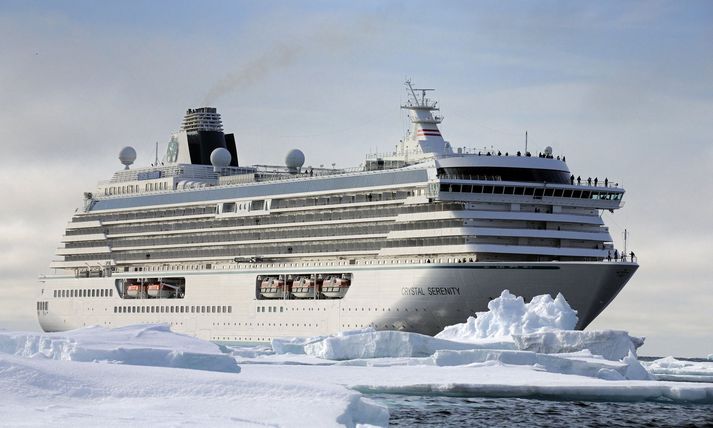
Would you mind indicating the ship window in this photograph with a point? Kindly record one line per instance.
(153, 308)
(258, 309)
(143, 309)
(519, 190)
(111, 292)
(455, 188)
(193, 309)
(529, 191)
(466, 188)
(549, 192)
(586, 194)
(202, 308)
(229, 207)
(55, 293)
(488, 189)
(212, 309)
(115, 310)
(577, 194)
(477, 189)
(230, 309)
(567, 193)
(218, 309)
(538, 193)
(498, 190)
(558, 193)
(508, 190)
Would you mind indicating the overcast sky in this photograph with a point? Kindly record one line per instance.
(624, 89)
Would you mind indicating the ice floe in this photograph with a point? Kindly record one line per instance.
(610, 344)
(670, 368)
(141, 345)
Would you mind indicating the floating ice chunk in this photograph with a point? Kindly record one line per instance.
(670, 368)
(628, 369)
(141, 345)
(381, 344)
(509, 314)
(610, 344)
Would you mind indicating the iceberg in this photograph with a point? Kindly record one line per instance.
(508, 315)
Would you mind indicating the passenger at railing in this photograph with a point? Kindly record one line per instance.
(616, 254)
(633, 256)
(596, 180)
(558, 157)
(518, 153)
(589, 181)
(499, 154)
(487, 154)
(506, 154)
(571, 179)
(528, 154)
(609, 255)
(564, 159)
(606, 182)
(579, 180)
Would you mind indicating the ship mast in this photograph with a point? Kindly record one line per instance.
(424, 138)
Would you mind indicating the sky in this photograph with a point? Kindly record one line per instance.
(623, 89)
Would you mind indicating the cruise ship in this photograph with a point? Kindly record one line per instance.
(412, 240)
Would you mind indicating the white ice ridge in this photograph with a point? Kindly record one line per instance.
(141, 345)
(508, 315)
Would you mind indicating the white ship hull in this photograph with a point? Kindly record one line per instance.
(420, 297)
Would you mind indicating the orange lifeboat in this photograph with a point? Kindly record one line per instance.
(159, 289)
(335, 287)
(133, 291)
(272, 288)
(303, 288)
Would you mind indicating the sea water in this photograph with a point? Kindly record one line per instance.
(409, 410)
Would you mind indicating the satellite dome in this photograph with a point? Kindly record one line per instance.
(220, 157)
(127, 156)
(295, 159)
(548, 150)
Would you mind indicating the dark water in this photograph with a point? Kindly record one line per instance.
(408, 411)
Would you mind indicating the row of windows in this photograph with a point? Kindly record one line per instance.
(173, 309)
(264, 234)
(341, 199)
(84, 293)
(42, 306)
(143, 214)
(134, 188)
(536, 192)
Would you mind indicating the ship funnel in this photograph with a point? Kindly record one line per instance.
(201, 134)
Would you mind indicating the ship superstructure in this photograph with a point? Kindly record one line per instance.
(413, 240)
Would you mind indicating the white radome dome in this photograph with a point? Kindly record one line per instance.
(295, 159)
(127, 156)
(548, 150)
(220, 157)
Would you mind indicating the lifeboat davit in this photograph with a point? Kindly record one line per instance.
(272, 288)
(335, 287)
(304, 288)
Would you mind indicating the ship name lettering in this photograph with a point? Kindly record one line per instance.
(443, 291)
(412, 291)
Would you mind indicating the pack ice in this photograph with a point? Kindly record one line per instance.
(513, 349)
